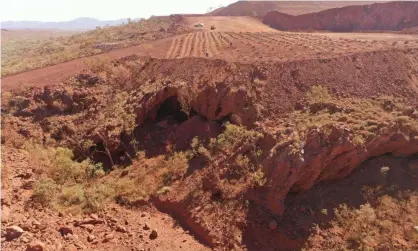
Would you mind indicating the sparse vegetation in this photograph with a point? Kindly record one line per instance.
(23, 54)
(259, 178)
(58, 164)
(44, 191)
(234, 135)
(319, 94)
(109, 137)
(369, 227)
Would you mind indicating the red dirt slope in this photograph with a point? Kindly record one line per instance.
(261, 8)
(381, 16)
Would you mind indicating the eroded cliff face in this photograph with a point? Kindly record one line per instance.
(328, 158)
(310, 148)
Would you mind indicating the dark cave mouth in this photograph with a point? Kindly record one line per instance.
(171, 108)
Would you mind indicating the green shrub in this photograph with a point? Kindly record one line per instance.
(95, 171)
(233, 135)
(73, 195)
(45, 191)
(358, 140)
(164, 190)
(96, 197)
(98, 64)
(259, 179)
(204, 152)
(318, 94)
(128, 191)
(65, 169)
(175, 167)
(58, 164)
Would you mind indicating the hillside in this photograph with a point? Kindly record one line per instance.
(83, 23)
(164, 135)
(221, 147)
(22, 54)
(379, 16)
(260, 8)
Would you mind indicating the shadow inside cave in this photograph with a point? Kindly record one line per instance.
(316, 206)
(169, 128)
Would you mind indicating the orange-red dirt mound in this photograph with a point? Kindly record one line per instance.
(380, 16)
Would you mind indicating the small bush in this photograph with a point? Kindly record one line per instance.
(120, 76)
(358, 140)
(175, 167)
(127, 191)
(64, 168)
(45, 191)
(319, 94)
(95, 171)
(164, 190)
(98, 64)
(96, 196)
(195, 144)
(233, 135)
(58, 164)
(259, 179)
(204, 152)
(243, 161)
(71, 196)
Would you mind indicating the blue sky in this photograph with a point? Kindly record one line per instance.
(64, 10)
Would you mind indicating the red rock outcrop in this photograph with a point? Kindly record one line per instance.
(260, 8)
(379, 16)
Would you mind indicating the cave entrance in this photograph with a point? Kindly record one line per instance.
(171, 107)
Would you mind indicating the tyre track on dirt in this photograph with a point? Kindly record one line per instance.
(173, 48)
(224, 40)
(181, 44)
(228, 37)
(214, 37)
(192, 45)
(198, 44)
(186, 46)
(204, 44)
(210, 44)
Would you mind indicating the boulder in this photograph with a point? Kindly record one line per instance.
(65, 230)
(153, 235)
(35, 246)
(147, 226)
(13, 232)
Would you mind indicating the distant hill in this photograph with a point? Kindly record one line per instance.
(83, 23)
(380, 16)
(260, 8)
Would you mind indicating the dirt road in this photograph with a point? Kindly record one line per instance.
(57, 73)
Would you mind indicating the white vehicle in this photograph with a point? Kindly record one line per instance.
(199, 25)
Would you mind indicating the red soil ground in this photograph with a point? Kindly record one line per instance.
(126, 226)
(286, 66)
(238, 39)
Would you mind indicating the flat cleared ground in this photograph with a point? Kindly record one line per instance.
(231, 24)
(369, 36)
(279, 46)
(240, 39)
